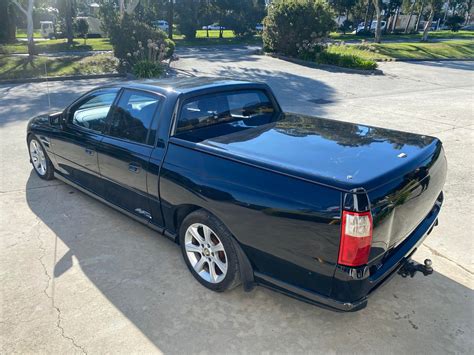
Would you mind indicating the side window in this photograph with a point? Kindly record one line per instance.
(223, 107)
(132, 117)
(93, 110)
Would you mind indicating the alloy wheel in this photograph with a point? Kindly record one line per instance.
(206, 253)
(38, 157)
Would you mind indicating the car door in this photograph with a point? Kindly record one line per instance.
(75, 145)
(124, 154)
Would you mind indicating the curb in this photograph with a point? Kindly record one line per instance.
(424, 60)
(62, 78)
(328, 67)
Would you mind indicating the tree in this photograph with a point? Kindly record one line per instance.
(342, 7)
(295, 24)
(127, 7)
(409, 5)
(28, 12)
(240, 16)
(170, 19)
(189, 16)
(454, 22)
(378, 27)
(7, 22)
(434, 5)
(67, 12)
(82, 27)
(420, 7)
(468, 11)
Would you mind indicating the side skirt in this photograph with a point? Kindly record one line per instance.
(160, 230)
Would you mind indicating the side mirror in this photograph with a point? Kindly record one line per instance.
(58, 119)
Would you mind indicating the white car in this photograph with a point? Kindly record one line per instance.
(214, 26)
(373, 26)
(161, 24)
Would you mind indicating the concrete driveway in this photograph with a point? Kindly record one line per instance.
(79, 277)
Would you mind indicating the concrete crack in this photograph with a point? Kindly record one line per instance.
(45, 291)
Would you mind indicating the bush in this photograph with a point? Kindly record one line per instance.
(454, 22)
(346, 26)
(81, 27)
(128, 35)
(145, 69)
(346, 61)
(290, 22)
(308, 50)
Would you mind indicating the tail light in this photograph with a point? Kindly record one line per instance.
(356, 238)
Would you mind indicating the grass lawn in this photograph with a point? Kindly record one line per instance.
(20, 33)
(432, 35)
(456, 49)
(213, 39)
(59, 45)
(22, 67)
(103, 44)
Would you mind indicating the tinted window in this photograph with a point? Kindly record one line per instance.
(211, 109)
(132, 116)
(92, 111)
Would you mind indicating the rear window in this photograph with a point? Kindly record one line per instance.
(224, 107)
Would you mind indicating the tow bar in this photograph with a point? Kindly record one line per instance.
(411, 267)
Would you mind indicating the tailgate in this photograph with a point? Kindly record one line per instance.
(399, 206)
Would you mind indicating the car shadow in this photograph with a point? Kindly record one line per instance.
(221, 54)
(295, 93)
(142, 275)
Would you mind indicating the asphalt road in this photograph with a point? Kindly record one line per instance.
(79, 277)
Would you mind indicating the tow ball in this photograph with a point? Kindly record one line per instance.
(411, 267)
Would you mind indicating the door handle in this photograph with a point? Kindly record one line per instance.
(134, 168)
(89, 151)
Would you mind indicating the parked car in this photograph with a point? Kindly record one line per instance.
(322, 210)
(372, 27)
(468, 27)
(161, 24)
(214, 26)
(259, 27)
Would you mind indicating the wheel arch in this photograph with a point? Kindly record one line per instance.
(246, 269)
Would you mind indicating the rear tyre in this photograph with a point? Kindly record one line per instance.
(39, 159)
(209, 252)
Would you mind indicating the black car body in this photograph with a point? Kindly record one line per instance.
(319, 209)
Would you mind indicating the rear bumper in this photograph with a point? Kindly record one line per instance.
(353, 286)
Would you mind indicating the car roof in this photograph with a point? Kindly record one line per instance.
(184, 85)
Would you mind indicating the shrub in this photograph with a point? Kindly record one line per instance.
(346, 60)
(128, 35)
(147, 61)
(346, 26)
(308, 50)
(82, 28)
(290, 22)
(145, 69)
(454, 22)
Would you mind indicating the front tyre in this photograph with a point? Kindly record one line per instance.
(39, 159)
(209, 252)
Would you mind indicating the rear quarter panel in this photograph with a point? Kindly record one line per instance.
(288, 228)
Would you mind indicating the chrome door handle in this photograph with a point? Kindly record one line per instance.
(134, 168)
